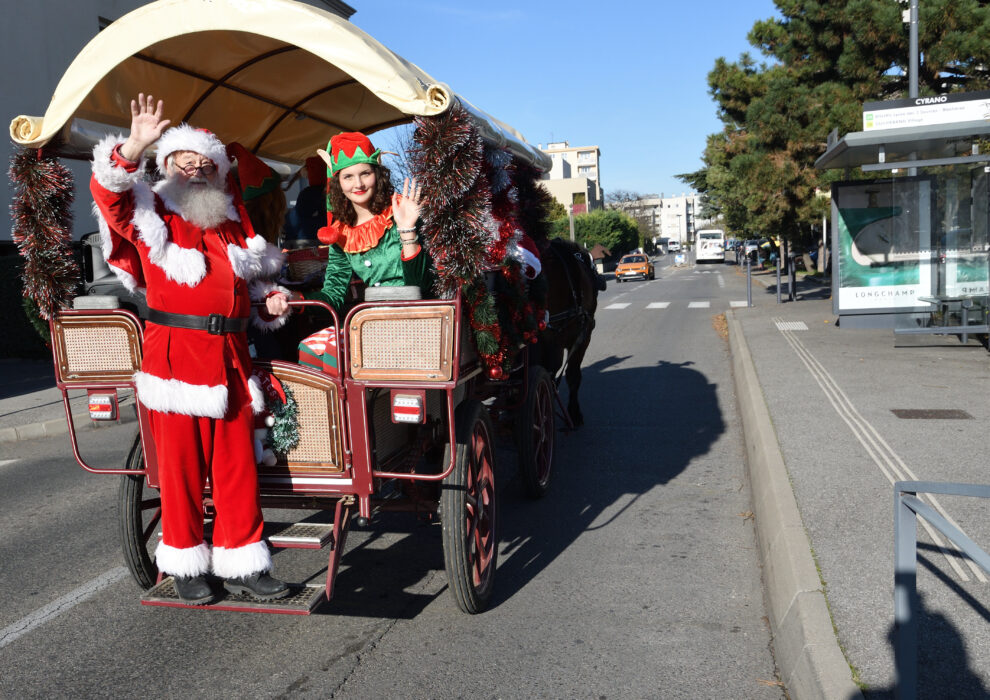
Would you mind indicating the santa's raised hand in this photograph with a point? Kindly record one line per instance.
(147, 126)
(405, 209)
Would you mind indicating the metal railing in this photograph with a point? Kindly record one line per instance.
(907, 508)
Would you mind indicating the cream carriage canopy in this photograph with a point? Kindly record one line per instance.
(279, 76)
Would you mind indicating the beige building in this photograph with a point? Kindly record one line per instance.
(573, 179)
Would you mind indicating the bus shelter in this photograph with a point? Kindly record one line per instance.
(910, 245)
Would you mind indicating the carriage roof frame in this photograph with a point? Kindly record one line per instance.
(342, 80)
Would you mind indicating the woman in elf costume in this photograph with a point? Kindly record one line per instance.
(371, 229)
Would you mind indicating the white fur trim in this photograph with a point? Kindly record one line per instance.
(186, 138)
(183, 265)
(241, 561)
(258, 259)
(106, 248)
(259, 290)
(525, 258)
(111, 176)
(532, 261)
(257, 395)
(188, 561)
(174, 396)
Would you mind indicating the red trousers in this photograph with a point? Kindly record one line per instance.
(191, 449)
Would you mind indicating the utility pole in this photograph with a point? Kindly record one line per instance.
(570, 219)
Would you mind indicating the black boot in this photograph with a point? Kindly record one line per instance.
(193, 589)
(259, 586)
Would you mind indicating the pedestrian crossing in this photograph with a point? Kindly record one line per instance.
(622, 305)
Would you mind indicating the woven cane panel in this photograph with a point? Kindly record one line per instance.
(401, 344)
(299, 271)
(98, 350)
(319, 440)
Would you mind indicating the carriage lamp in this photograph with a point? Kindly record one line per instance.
(408, 406)
(103, 405)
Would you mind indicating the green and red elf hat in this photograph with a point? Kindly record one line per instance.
(255, 177)
(347, 149)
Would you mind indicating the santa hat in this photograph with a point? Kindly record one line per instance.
(347, 149)
(201, 141)
(255, 177)
(316, 171)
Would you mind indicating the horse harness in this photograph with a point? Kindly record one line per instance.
(577, 311)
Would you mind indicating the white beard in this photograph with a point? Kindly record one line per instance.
(204, 206)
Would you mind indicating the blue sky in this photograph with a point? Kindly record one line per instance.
(632, 82)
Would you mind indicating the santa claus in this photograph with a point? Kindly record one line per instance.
(188, 242)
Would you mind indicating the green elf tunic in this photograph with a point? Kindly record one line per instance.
(373, 252)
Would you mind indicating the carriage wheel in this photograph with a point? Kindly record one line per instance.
(140, 514)
(535, 433)
(470, 544)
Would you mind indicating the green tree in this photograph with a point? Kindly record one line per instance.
(614, 229)
(824, 59)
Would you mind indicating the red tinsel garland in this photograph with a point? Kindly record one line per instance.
(42, 229)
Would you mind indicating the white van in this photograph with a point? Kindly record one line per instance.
(673, 246)
(711, 245)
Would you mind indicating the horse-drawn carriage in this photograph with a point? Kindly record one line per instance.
(407, 423)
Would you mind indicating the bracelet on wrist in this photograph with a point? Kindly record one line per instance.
(408, 230)
(409, 241)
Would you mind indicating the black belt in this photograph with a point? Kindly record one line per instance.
(214, 324)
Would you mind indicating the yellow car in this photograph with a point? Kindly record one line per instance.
(636, 265)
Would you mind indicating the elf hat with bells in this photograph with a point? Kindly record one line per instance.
(347, 149)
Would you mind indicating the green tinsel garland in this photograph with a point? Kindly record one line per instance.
(284, 435)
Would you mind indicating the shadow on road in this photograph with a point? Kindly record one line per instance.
(626, 448)
(631, 442)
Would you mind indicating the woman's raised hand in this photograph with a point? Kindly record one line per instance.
(405, 211)
(147, 126)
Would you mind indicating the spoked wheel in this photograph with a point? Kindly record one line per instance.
(535, 433)
(140, 514)
(470, 543)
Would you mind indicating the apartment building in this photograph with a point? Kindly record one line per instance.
(666, 216)
(574, 178)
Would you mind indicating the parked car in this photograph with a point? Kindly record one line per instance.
(636, 265)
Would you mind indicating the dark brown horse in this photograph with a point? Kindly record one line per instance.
(572, 297)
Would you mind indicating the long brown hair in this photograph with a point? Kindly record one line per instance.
(343, 210)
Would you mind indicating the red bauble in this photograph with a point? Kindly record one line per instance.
(496, 373)
(542, 325)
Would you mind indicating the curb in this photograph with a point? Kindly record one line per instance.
(60, 426)
(809, 659)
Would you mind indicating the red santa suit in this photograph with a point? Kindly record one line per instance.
(196, 384)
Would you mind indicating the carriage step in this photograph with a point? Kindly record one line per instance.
(301, 535)
(301, 601)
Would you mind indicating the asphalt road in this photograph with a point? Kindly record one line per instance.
(636, 576)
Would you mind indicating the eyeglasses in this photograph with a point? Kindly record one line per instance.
(190, 170)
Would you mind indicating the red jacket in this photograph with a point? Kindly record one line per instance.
(184, 270)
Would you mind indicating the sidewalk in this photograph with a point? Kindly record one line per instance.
(31, 406)
(832, 418)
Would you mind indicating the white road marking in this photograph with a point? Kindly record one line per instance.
(57, 607)
(791, 326)
(889, 463)
(738, 304)
(618, 306)
(699, 305)
(658, 305)
(721, 280)
(5, 462)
